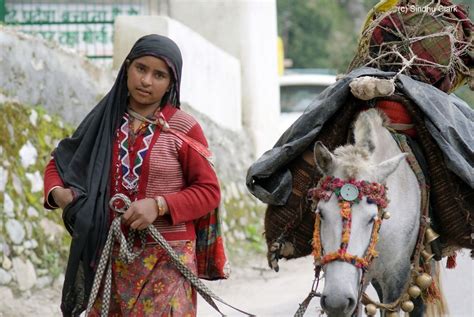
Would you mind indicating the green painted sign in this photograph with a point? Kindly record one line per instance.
(88, 28)
(60, 14)
(2, 11)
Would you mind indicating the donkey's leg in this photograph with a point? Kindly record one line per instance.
(379, 291)
(393, 292)
(419, 309)
(393, 283)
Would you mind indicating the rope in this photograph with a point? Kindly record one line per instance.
(105, 266)
(126, 254)
(398, 53)
(304, 305)
(313, 293)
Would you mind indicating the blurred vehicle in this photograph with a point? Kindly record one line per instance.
(297, 89)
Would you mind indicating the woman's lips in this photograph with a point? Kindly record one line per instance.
(143, 92)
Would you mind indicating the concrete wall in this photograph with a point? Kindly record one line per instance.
(248, 31)
(211, 80)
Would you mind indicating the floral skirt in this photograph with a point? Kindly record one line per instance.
(152, 285)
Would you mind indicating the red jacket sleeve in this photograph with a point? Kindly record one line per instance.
(51, 181)
(202, 193)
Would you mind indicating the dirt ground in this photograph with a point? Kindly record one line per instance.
(255, 289)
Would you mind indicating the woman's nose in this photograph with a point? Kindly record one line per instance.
(146, 80)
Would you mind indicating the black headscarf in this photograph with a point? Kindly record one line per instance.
(83, 162)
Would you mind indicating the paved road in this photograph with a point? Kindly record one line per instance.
(258, 290)
(266, 293)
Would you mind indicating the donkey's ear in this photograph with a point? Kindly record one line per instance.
(384, 169)
(323, 158)
(363, 131)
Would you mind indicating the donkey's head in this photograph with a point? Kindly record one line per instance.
(351, 199)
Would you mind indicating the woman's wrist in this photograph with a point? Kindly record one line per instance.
(62, 196)
(162, 206)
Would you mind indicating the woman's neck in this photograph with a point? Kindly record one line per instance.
(145, 110)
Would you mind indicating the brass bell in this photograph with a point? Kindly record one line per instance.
(370, 310)
(430, 235)
(426, 255)
(408, 306)
(386, 215)
(424, 281)
(414, 291)
(391, 314)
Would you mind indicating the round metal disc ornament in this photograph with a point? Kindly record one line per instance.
(349, 192)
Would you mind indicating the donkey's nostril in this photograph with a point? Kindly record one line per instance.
(323, 302)
(350, 304)
(338, 305)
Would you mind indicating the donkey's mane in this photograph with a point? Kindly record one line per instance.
(356, 157)
(352, 159)
(375, 116)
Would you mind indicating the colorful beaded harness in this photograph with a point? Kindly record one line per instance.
(348, 192)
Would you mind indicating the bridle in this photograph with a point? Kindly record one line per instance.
(348, 193)
(420, 283)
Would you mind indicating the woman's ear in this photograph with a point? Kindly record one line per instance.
(127, 64)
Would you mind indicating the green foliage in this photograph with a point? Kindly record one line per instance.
(466, 94)
(321, 33)
(311, 30)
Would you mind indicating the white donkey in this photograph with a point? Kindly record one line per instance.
(376, 158)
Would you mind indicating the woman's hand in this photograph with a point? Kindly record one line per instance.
(141, 214)
(62, 196)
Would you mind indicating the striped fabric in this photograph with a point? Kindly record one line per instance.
(165, 175)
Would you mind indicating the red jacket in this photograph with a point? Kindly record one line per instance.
(170, 168)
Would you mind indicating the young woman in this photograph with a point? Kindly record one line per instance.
(122, 147)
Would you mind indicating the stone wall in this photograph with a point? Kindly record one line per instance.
(33, 243)
(38, 72)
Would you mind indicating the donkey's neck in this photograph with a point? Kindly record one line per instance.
(398, 234)
(385, 145)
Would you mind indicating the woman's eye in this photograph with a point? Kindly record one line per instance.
(159, 75)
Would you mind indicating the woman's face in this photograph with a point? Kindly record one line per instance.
(148, 79)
